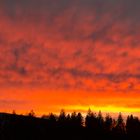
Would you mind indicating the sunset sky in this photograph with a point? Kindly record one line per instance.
(70, 54)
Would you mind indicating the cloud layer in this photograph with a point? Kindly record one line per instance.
(64, 44)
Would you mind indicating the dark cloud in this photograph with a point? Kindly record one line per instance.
(9, 102)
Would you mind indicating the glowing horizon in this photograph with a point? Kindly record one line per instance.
(70, 101)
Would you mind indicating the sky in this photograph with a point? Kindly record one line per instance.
(70, 54)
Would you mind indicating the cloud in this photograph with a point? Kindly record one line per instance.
(5, 102)
(70, 44)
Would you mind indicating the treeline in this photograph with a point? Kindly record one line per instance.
(68, 127)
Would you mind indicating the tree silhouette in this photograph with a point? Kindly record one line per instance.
(90, 120)
(74, 120)
(68, 126)
(100, 120)
(120, 123)
(108, 124)
(119, 129)
(133, 126)
(31, 113)
(62, 119)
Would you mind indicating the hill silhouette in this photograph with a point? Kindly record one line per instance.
(68, 127)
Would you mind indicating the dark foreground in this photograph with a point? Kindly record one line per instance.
(68, 127)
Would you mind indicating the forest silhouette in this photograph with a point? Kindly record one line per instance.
(68, 127)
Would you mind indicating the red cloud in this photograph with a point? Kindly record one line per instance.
(64, 45)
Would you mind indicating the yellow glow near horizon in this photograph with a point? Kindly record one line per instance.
(112, 109)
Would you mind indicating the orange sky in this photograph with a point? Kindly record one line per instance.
(70, 54)
(44, 101)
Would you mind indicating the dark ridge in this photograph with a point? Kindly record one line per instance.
(68, 127)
